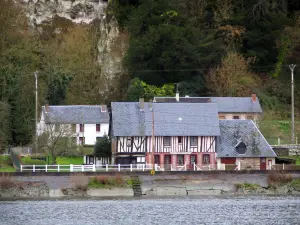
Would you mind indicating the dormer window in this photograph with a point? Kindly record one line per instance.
(241, 148)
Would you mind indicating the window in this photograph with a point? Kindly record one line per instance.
(193, 159)
(167, 141)
(222, 117)
(249, 117)
(236, 117)
(179, 140)
(81, 127)
(194, 141)
(81, 140)
(73, 127)
(56, 128)
(206, 159)
(98, 127)
(156, 159)
(180, 160)
(129, 142)
(241, 148)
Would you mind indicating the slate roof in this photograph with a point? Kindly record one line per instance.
(225, 104)
(171, 119)
(235, 131)
(75, 114)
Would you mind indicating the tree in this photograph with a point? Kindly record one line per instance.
(140, 89)
(59, 140)
(232, 78)
(102, 147)
(4, 124)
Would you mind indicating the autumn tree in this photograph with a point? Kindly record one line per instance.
(232, 77)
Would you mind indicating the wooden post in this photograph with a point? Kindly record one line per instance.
(283, 166)
(21, 168)
(82, 168)
(153, 138)
(46, 168)
(119, 168)
(131, 167)
(94, 168)
(58, 168)
(33, 168)
(71, 167)
(106, 167)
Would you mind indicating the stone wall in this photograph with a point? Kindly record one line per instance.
(250, 163)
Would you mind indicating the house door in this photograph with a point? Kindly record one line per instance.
(263, 164)
(193, 161)
(167, 162)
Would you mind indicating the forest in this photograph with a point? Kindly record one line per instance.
(207, 47)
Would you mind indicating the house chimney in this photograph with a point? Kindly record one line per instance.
(141, 101)
(103, 108)
(46, 107)
(253, 96)
(177, 93)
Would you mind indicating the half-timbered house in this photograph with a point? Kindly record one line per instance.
(184, 134)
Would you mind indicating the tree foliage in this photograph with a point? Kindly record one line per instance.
(102, 147)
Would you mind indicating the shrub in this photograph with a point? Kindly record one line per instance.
(276, 177)
(108, 182)
(29, 161)
(295, 184)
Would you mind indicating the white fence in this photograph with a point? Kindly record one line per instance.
(118, 167)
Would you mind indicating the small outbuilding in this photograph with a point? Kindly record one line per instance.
(242, 144)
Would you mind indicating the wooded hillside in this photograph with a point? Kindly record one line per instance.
(208, 47)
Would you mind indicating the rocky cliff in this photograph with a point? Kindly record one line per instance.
(112, 44)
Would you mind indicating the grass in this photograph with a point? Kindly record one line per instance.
(109, 182)
(78, 160)
(274, 129)
(247, 186)
(297, 158)
(6, 164)
(295, 184)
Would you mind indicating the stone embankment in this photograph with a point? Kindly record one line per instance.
(157, 185)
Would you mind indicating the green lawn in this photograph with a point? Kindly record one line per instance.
(6, 164)
(274, 129)
(293, 157)
(69, 160)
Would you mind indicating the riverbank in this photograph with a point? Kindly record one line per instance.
(122, 185)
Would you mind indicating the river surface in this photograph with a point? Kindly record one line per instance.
(169, 211)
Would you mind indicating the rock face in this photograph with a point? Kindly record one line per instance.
(112, 43)
(79, 11)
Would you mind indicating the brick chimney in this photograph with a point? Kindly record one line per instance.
(142, 104)
(46, 107)
(253, 96)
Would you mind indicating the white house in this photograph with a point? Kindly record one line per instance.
(84, 123)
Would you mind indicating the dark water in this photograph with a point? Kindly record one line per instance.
(206, 210)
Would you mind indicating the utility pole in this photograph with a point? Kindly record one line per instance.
(292, 67)
(153, 138)
(36, 110)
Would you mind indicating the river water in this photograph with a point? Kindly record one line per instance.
(169, 211)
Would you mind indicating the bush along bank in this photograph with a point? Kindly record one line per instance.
(278, 184)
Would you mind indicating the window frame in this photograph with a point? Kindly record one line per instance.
(98, 127)
(129, 142)
(179, 140)
(206, 156)
(81, 127)
(236, 117)
(82, 140)
(192, 142)
(167, 141)
(178, 158)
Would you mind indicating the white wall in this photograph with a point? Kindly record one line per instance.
(90, 134)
